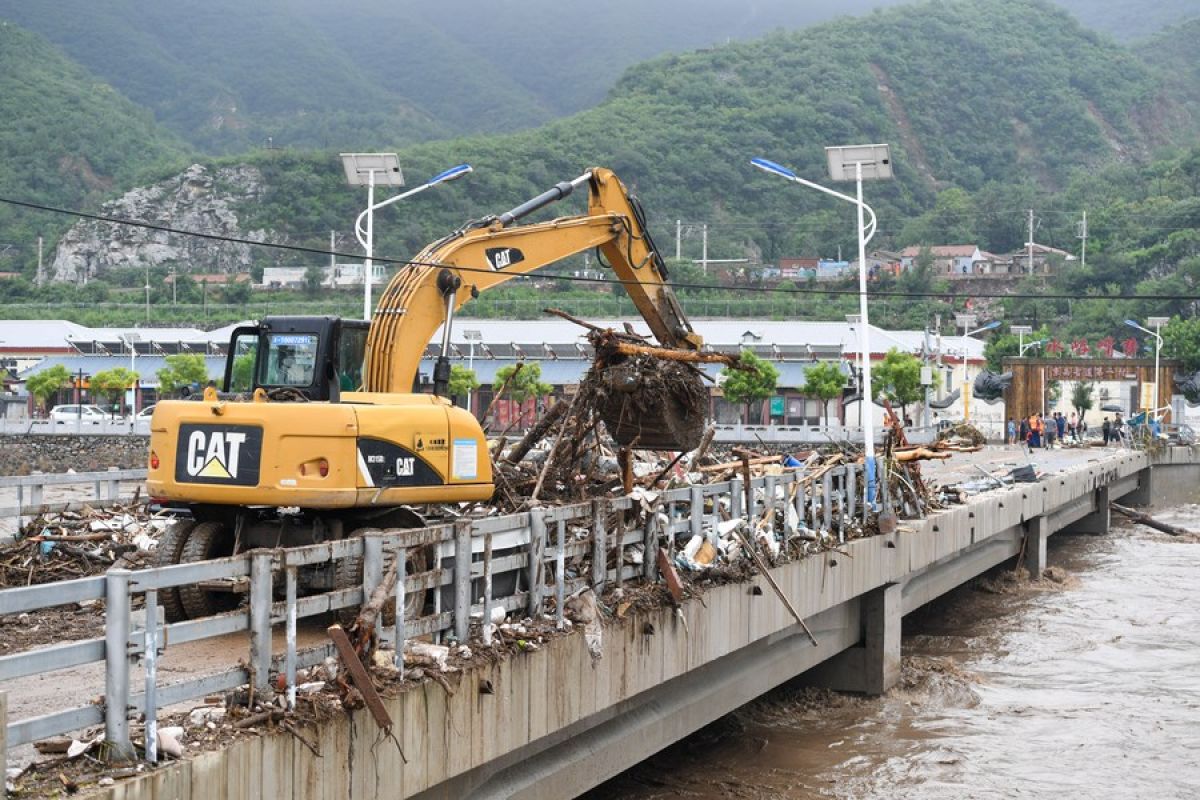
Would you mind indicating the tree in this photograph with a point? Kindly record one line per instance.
(47, 383)
(236, 293)
(824, 381)
(462, 381)
(525, 384)
(1181, 339)
(242, 377)
(314, 277)
(113, 383)
(1081, 398)
(754, 380)
(182, 369)
(898, 378)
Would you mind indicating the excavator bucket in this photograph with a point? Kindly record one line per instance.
(651, 404)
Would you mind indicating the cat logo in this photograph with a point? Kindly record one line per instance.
(219, 454)
(215, 458)
(405, 467)
(503, 257)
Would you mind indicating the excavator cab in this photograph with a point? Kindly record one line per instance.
(303, 358)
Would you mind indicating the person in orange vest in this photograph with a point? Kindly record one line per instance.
(1035, 430)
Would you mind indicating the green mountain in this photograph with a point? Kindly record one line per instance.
(970, 93)
(66, 138)
(1127, 21)
(225, 74)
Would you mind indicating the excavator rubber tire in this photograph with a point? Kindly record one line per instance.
(207, 540)
(348, 572)
(167, 553)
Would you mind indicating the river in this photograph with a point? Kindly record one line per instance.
(1085, 684)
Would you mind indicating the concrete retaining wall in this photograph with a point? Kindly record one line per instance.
(552, 723)
(21, 455)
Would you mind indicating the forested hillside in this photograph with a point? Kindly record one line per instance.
(990, 98)
(66, 138)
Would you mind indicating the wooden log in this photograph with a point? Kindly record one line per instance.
(728, 465)
(668, 354)
(920, 454)
(1149, 521)
(536, 433)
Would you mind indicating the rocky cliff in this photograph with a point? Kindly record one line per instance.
(200, 200)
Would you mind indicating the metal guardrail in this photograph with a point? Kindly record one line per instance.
(531, 548)
(31, 490)
(109, 427)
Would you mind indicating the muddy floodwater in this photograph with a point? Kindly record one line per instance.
(1085, 684)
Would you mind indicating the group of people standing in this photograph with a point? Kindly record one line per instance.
(1037, 430)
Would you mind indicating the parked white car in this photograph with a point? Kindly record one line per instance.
(93, 415)
(145, 414)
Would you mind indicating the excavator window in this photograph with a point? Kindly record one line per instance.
(351, 350)
(291, 359)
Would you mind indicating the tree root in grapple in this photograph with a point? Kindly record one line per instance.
(650, 403)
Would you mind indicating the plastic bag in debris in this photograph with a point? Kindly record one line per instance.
(644, 497)
(584, 610)
(145, 542)
(698, 554)
(766, 537)
(424, 654)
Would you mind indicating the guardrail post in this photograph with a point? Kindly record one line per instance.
(827, 500)
(116, 665)
(3, 742)
(851, 489)
(560, 577)
(462, 580)
(650, 544)
(599, 544)
(769, 496)
(35, 496)
(737, 497)
(260, 619)
(697, 511)
(114, 486)
(151, 668)
(487, 590)
(290, 658)
(372, 572)
(537, 543)
(401, 575)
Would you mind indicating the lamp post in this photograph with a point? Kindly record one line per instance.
(381, 169)
(857, 163)
(1157, 322)
(131, 338)
(966, 321)
(471, 336)
(1020, 331)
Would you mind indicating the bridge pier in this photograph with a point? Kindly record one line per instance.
(873, 665)
(1037, 531)
(1098, 522)
(1144, 495)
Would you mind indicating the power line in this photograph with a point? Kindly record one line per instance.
(947, 295)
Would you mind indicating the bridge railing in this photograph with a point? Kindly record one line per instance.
(31, 490)
(456, 574)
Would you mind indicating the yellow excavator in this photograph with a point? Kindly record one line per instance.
(317, 432)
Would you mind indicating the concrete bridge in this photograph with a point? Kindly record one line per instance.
(556, 722)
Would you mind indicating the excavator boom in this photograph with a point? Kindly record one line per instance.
(448, 273)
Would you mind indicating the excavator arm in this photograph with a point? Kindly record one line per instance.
(449, 273)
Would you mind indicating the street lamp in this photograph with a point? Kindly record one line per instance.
(1020, 331)
(1034, 343)
(130, 338)
(1157, 322)
(373, 169)
(858, 163)
(471, 336)
(965, 321)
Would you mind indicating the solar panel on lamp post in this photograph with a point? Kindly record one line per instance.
(857, 163)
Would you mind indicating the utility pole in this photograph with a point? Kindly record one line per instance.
(1030, 245)
(704, 250)
(1083, 234)
(678, 239)
(41, 277)
(332, 257)
(937, 325)
(174, 286)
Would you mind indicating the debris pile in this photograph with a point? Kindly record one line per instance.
(74, 544)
